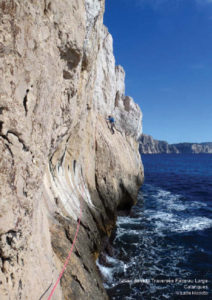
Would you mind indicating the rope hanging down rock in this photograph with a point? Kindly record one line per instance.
(68, 257)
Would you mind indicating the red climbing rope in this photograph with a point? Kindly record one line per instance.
(68, 257)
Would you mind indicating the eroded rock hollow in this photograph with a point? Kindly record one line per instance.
(59, 158)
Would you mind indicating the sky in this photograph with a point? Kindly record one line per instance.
(165, 47)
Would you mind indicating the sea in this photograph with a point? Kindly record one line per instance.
(163, 249)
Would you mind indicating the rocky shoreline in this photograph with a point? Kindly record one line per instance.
(148, 145)
(58, 156)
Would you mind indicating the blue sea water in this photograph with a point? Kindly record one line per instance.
(163, 250)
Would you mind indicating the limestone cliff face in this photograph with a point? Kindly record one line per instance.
(148, 145)
(194, 148)
(58, 156)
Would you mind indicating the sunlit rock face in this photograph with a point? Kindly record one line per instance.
(59, 158)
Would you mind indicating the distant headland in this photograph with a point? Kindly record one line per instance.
(148, 145)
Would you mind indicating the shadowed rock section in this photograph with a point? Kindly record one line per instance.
(59, 83)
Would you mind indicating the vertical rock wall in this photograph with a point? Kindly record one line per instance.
(58, 156)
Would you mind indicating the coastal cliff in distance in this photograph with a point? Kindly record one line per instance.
(59, 159)
(148, 145)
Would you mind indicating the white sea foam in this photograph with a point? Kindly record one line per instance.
(161, 215)
(107, 272)
(127, 220)
(172, 201)
(174, 223)
(193, 224)
(114, 261)
(169, 200)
